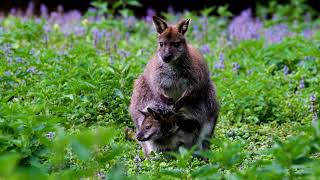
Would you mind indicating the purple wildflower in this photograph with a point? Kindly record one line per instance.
(30, 9)
(9, 59)
(13, 11)
(137, 161)
(7, 49)
(150, 13)
(205, 49)
(275, 34)
(124, 54)
(313, 98)
(95, 32)
(309, 58)
(129, 22)
(220, 63)
(111, 60)
(7, 73)
(44, 11)
(101, 175)
(198, 34)
(18, 59)
(235, 67)
(285, 70)
(302, 84)
(307, 33)
(32, 69)
(170, 10)
(204, 20)
(244, 27)
(50, 135)
(79, 31)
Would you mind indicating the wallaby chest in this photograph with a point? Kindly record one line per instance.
(172, 82)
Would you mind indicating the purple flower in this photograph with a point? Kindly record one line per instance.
(313, 98)
(50, 135)
(111, 60)
(95, 32)
(19, 60)
(307, 33)
(101, 175)
(204, 20)
(205, 49)
(7, 73)
(170, 10)
(124, 54)
(235, 67)
(150, 13)
(7, 49)
(13, 11)
(220, 63)
(79, 31)
(137, 161)
(275, 34)
(97, 35)
(44, 11)
(129, 22)
(244, 27)
(9, 59)
(32, 69)
(302, 84)
(221, 57)
(30, 9)
(285, 70)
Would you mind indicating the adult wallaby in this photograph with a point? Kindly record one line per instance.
(175, 67)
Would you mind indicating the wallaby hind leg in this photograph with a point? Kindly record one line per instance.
(206, 132)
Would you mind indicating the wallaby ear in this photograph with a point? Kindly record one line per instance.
(183, 26)
(160, 24)
(154, 114)
(144, 113)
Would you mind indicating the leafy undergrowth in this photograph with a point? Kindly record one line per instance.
(66, 82)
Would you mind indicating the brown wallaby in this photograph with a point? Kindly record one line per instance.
(160, 131)
(175, 67)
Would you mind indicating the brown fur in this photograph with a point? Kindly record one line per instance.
(165, 131)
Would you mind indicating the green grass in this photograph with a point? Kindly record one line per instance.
(64, 104)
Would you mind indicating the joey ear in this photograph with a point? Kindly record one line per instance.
(183, 26)
(144, 113)
(160, 24)
(154, 114)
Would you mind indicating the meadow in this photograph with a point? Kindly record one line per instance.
(66, 80)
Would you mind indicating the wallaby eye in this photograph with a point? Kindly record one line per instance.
(161, 44)
(176, 44)
(148, 126)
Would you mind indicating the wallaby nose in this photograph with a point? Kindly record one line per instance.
(139, 137)
(167, 58)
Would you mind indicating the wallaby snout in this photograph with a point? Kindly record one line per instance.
(167, 58)
(140, 137)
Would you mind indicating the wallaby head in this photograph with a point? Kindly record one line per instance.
(155, 125)
(172, 44)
